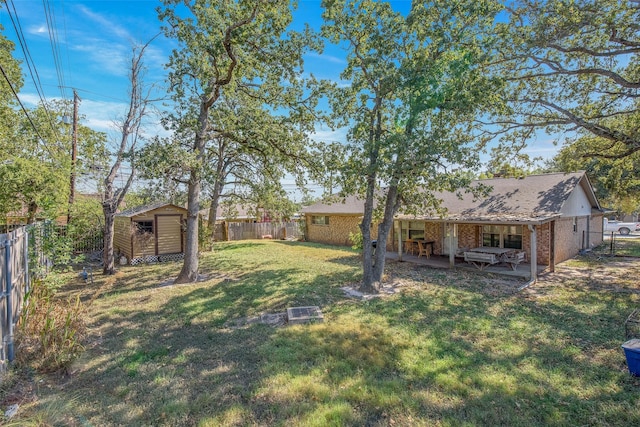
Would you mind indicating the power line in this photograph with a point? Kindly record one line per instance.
(29, 60)
(66, 44)
(21, 104)
(53, 39)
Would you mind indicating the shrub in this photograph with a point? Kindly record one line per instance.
(356, 240)
(49, 337)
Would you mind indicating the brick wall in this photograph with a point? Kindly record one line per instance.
(434, 231)
(569, 242)
(543, 243)
(337, 232)
(468, 236)
(596, 227)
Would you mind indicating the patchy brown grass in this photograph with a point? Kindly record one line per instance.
(449, 348)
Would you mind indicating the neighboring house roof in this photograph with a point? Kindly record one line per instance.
(146, 208)
(531, 199)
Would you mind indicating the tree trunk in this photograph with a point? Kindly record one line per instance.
(213, 211)
(107, 253)
(383, 233)
(369, 283)
(32, 210)
(189, 272)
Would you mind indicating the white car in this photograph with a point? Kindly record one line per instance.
(623, 228)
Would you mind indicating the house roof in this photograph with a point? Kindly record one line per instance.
(531, 199)
(146, 208)
(350, 205)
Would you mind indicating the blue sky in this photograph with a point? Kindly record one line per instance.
(94, 40)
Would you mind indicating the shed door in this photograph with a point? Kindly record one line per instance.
(168, 234)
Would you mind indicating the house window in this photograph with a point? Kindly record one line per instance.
(144, 226)
(502, 236)
(412, 230)
(575, 224)
(320, 219)
(512, 238)
(491, 236)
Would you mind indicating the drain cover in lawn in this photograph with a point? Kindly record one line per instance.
(298, 315)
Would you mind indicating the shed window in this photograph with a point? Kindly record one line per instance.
(144, 226)
(320, 219)
(502, 236)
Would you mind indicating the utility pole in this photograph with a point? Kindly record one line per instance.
(74, 155)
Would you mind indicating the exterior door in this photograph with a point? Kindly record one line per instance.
(168, 234)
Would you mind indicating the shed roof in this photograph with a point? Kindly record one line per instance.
(531, 199)
(146, 208)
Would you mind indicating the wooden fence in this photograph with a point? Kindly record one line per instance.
(293, 230)
(14, 280)
(23, 256)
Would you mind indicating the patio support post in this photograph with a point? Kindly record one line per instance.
(399, 229)
(534, 253)
(453, 231)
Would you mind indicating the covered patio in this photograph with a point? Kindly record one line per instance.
(438, 261)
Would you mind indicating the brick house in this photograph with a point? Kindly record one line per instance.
(550, 217)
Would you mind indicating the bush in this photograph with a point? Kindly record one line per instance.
(356, 240)
(50, 333)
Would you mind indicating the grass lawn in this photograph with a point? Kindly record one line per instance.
(450, 349)
(626, 246)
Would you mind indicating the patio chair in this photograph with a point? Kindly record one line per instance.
(409, 246)
(423, 249)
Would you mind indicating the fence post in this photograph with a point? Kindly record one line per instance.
(9, 302)
(27, 276)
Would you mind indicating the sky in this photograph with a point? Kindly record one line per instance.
(93, 43)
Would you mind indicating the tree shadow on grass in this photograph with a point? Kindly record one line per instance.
(466, 362)
(442, 353)
(177, 363)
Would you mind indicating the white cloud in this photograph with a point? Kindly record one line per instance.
(328, 135)
(107, 57)
(38, 30)
(108, 25)
(101, 116)
(29, 100)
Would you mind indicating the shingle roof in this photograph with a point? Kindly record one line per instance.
(350, 205)
(146, 208)
(534, 198)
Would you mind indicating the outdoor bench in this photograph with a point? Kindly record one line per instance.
(480, 259)
(515, 260)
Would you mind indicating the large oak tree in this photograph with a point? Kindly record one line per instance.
(416, 84)
(228, 48)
